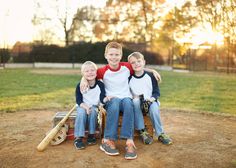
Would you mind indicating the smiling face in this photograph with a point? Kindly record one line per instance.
(89, 72)
(137, 63)
(113, 56)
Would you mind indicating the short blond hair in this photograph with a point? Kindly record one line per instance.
(113, 45)
(136, 55)
(88, 63)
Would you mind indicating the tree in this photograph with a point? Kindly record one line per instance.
(221, 16)
(177, 23)
(52, 17)
(84, 24)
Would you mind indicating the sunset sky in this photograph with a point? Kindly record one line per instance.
(16, 16)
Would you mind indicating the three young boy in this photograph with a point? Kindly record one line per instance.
(118, 98)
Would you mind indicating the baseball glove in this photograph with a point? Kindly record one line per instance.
(144, 104)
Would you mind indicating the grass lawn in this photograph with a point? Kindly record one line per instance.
(20, 89)
(199, 91)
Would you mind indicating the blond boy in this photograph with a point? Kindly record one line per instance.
(87, 106)
(144, 83)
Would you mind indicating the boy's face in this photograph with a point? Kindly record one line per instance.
(113, 56)
(137, 64)
(89, 73)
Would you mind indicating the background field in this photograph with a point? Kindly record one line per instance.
(29, 98)
(22, 89)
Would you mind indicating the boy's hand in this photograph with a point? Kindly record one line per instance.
(108, 98)
(88, 110)
(84, 86)
(86, 107)
(152, 99)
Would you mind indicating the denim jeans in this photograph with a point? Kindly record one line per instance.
(83, 121)
(113, 108)
(154, 114)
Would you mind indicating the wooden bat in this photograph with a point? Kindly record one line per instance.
(103, 117)
(44, 143)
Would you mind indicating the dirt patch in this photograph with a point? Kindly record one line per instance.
(200, 140)
(56, 71)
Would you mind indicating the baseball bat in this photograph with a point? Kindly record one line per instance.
(44, 143)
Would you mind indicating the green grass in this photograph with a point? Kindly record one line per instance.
(199, 91)
(21, 90)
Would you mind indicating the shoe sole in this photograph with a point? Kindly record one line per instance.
(110, 154)
(131, 158)
(170, 143)
(79, 148)
(144, 141)
(166, 143)
(91, 143)
(148, 143)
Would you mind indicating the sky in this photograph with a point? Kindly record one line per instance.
(15, 21)
(16, 16)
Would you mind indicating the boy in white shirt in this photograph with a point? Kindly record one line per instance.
(115, 76)
(87, 106)
(144, 83)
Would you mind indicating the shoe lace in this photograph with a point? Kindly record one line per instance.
(78, 140)
(130, 147)
(145, 134)
(111, 144)
(164, 136)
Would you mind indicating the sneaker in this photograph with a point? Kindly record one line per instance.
(79, 144)
(163, 138)
(146, 138)
(109, 148)
(91, 139)
(130, 152)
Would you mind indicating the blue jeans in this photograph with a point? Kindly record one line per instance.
(154, 114)
(83, 119)
(113, 108)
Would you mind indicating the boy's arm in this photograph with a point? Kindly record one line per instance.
(103, 97)
(79, 100)
(84, 86)
(86, 107)
(78, 95)
(103, 93)
(155, 88)
(155, 73)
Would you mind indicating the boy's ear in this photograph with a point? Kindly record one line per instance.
(144, 61)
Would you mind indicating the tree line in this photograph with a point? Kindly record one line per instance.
(140, 21)
(76, 53)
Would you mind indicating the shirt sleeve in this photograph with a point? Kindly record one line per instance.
(128, 65)
(155, 87)
(78, 95)
(101, 71)
(103, 93)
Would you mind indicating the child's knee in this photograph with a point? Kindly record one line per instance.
(136, 102)
(81, 111)
(93, 113)
(127, 102)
